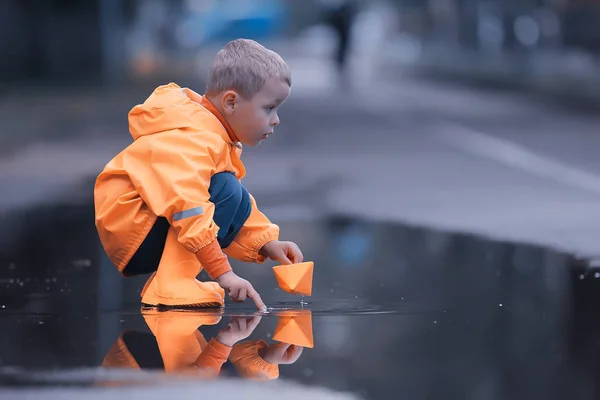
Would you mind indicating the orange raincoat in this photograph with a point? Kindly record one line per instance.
(180, 141)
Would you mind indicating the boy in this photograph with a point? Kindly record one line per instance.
(171, 203)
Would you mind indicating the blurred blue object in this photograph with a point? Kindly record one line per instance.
(354, 244)
(231, 19)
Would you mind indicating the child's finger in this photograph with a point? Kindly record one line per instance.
(295, 254)
(235, 324)
(254, 321)
(294, 353)
(242, 295)
(281, 348)
(283, 258)
(253, 294)
(233, 293)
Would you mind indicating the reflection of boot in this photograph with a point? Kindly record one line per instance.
(174, 284)
(119, 356)
(178, 338)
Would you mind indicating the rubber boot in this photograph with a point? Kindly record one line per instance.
(178, 338)
(174, 284)
(213, 286)
(204, 285)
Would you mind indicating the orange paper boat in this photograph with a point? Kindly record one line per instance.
(295, 327)
(295, 278)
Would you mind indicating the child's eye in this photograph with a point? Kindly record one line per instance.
(270, 108)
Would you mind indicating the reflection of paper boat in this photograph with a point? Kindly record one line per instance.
(295, 327)
(295, 278)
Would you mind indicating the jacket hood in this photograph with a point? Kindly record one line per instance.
(169, 107)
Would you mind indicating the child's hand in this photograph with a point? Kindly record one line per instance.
(283, 252)
(239, 289)
(238, 329)
(281, 353)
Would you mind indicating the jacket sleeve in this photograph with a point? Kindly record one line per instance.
(171, 171)
(212, 358)
(256, 232)
(249, 364)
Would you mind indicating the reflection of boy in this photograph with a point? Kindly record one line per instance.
(183, 349)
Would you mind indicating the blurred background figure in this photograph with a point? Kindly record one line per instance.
(340, 15)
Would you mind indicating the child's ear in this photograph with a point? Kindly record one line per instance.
(230, 99)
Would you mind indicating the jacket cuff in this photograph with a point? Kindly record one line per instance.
(220, 349)
(269, 236)
(213, 260)
(249, 364)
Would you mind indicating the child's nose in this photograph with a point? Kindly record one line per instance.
(275, 121)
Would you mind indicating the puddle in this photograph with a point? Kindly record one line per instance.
(396, 311)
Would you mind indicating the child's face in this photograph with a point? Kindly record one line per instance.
(254, 120)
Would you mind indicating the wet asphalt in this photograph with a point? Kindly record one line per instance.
(398, 310)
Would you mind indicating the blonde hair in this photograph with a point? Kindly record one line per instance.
(244, 65)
